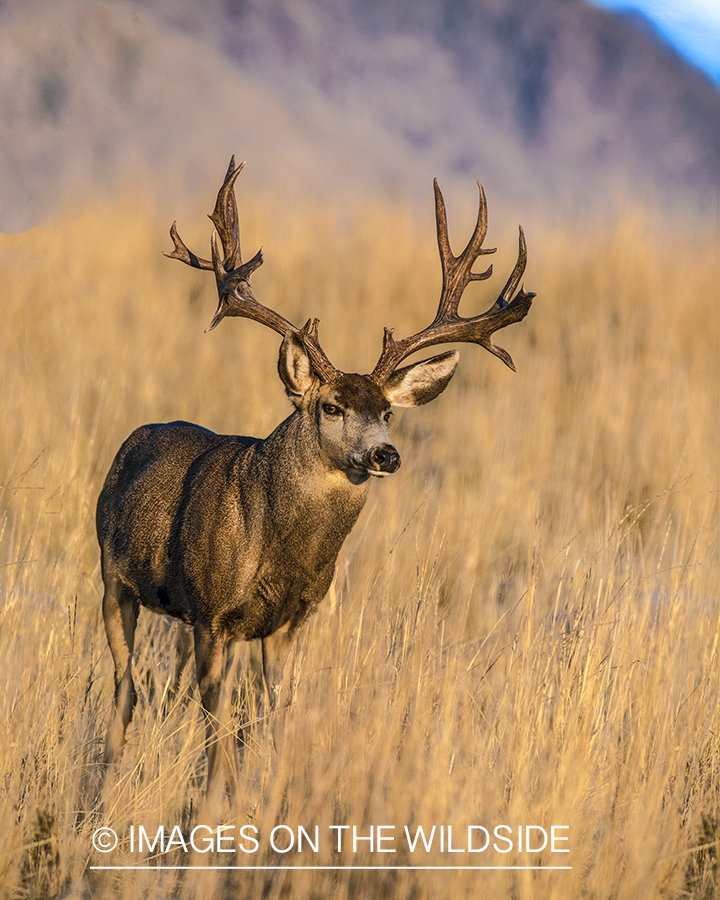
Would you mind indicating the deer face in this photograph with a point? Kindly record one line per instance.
(352, 415)
(351, 412)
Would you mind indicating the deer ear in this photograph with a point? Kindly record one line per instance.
(294, 367)
(421, 382)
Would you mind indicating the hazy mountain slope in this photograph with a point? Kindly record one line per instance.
(93, 96)
(548, 102)
(580, 92)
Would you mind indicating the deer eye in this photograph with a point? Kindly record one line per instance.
(331, 410)
(387, 415)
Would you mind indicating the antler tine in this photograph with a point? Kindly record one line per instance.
(517, 273)
(182, 253)
(225, 216)
(233, 277)
(225, 219)
(457, 270)
(448, 326)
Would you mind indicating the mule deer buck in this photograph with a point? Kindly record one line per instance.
(238, 536)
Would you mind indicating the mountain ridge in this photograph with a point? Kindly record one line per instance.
(556, 103)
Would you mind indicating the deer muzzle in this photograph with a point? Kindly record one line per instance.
(383, 460)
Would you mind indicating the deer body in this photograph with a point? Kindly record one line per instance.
(238, 537)
(270, 515)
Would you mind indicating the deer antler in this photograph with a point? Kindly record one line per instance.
(233, 277)
(448, 326)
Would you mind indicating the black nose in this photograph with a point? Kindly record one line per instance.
(385, 458)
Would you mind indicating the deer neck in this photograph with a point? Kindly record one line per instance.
(307, 494)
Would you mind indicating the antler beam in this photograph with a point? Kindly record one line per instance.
(233, 277)
(448, 326)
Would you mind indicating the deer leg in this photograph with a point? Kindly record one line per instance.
(232, 665)
(211, 657)
(275, 651)
(184, 651)
(120, 612)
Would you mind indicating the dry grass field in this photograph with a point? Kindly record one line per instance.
(523, 630)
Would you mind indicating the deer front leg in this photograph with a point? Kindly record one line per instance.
(120, 612)
(215, 690)
(184, 649)
(275, 651)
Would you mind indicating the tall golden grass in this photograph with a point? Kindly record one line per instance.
(524, 625)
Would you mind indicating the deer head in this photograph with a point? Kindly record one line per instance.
(352, 410)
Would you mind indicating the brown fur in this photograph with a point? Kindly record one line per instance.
(237, 536)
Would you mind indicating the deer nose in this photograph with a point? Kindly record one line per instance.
(385, 458)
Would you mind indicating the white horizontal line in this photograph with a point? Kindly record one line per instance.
(348, 868)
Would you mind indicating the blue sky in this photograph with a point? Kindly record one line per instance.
(692, 26)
